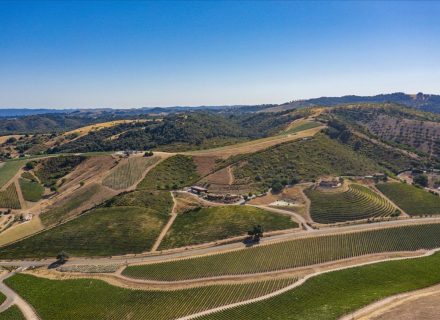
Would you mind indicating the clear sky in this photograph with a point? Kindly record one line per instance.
(133, 54)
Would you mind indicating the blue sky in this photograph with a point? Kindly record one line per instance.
(132, 53)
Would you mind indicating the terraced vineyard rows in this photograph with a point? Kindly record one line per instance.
(94, 299)
(9, 198)
(128, 173)
(358, 202)
(414, 201)
(292, 254)
(332, 295)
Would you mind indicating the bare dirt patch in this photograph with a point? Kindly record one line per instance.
(420, 306)
(205, 164)
(186, 201)
(91, 168)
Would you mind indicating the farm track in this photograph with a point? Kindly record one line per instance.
(298, 218)
(13, 298)
(404, 214)
(39, 207)
(23, 204)
(167, 227)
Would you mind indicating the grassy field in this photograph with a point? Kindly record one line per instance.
(85, 299)
(332, 295)
(300, 160)
(293, 253)
(413, 200)
(32, 191)
(128, 172)
(2, 298)
(215, 223)
(10, 169)
(119, 228)
(173, 173)
(159, 201)
(60, 213)
(304, 125)
(9, 198)
(12, 313)
(358, 202)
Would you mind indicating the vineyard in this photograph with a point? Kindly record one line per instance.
(63, 211)
(12, 313)
(85, 299)
(332, 295)
(215, 223)
(128, 172)
(9, 170)
(130, 223)
(358, 202)
(173, 173)
(415, 201)
(9, 198)
(292, 254)
(32, 191)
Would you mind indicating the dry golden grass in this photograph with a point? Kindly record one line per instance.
(21, 230)
(4, 138)
(254, 145)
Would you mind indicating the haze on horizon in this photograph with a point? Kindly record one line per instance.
(140, 54)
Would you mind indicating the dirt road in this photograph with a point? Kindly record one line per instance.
(13, 298)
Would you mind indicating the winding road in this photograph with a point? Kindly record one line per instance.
(13, 298)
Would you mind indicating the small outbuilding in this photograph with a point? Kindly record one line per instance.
(198, 190)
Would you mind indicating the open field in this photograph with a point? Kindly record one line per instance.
(415, 201)
(128, 172)
(358, 202)
(216, 223)
(9, 198)
(292, 254)
(93, 299)
(255, 145)
(9, 169)
(332, 295)
(12, 313)
(32, 191)
(173, 173)
(21, 230)
(301, 126)
(129, 224)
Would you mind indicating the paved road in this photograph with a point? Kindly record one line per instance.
(13, 298)
(158, 257)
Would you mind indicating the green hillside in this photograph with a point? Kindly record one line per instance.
(415, 201)
(303, 160)
(216, 223)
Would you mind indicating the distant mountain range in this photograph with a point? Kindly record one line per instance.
(424, 102)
